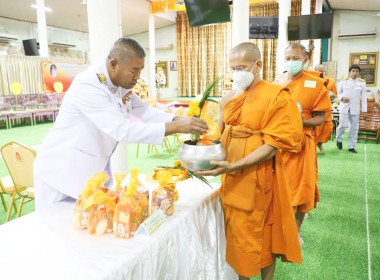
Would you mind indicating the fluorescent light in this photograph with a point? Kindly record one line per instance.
(47, 9)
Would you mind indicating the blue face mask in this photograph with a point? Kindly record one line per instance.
(306, 65)
(293, 67)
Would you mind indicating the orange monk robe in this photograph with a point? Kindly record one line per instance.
(259, 219)
(301, 169)
(314, 73)
(323, 132)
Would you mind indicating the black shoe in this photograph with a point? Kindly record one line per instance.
(353, 150)
(339, 145)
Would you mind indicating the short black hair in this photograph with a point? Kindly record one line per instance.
(125, 49)
(354, 67)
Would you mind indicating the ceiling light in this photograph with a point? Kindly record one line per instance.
(47, 9)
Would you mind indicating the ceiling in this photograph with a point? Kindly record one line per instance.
(72, 14)
(358, 5)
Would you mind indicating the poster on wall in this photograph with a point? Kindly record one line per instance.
(162, 74)
(57, 77)
(330, 69)
(368, 65)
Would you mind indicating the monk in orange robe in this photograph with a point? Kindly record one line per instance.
(301, 168)
(323, 132)
(257, 121)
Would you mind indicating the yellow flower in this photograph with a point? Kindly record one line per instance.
(177, 163)
(194, 110)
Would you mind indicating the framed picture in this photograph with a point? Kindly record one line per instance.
(368, 64)
(173, 65)
(162, 74)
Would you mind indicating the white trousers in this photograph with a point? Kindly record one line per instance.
(345, 121)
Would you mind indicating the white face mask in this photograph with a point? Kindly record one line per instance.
(306, 65)
(243, 79)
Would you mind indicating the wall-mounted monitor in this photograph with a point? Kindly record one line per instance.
(316, 26)
(30, 47)
(263, 27)
(205, 12)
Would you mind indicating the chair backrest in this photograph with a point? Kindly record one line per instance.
(27, 99)
(7, 101)
(19, 161)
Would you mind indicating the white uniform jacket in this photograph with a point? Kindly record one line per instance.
(91, 121)
(355, 90)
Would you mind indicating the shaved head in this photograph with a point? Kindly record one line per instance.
(248, 51)
(298, 46)
(319, 68)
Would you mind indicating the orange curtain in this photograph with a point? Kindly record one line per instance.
(201, 55)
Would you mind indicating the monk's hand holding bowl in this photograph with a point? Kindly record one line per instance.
(220, 168)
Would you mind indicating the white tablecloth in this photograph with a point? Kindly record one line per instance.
(189, 245)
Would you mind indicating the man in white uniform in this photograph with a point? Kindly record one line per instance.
(93, 118)
(351, 91)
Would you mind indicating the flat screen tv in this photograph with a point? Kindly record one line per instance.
(263, 27)
(305, 27)
(205, 12)
(30, 47)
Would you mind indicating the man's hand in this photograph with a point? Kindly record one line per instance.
(364, 116)
(345, 99)
(186, 125)
(220, 168)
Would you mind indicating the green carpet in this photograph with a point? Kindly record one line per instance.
(335, 234)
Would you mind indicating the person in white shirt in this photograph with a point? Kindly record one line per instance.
(93, 118)
(351, 92)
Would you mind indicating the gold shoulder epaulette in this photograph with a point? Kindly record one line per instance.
(362, 80)
(102, 78)
(346, 78)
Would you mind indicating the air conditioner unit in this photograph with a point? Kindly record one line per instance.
(8, 37)
(357, 35)
(61, 45)
(163, 48)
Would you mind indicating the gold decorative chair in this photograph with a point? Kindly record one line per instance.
(19, 161)
(6, 188)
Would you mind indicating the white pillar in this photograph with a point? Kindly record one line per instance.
(42, 32)
(104, 26)
(305, 10)
(152, 55)
(240, 22)
(317, 42)
(282, 41)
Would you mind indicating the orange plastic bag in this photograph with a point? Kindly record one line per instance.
(127, 217)
(95, 183)
(163, 198)
(128, 213)
(100, 212)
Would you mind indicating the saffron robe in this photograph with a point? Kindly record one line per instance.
(323, 132)
(259, 221)
(301, 168)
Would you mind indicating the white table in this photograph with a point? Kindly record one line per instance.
(189, 245)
